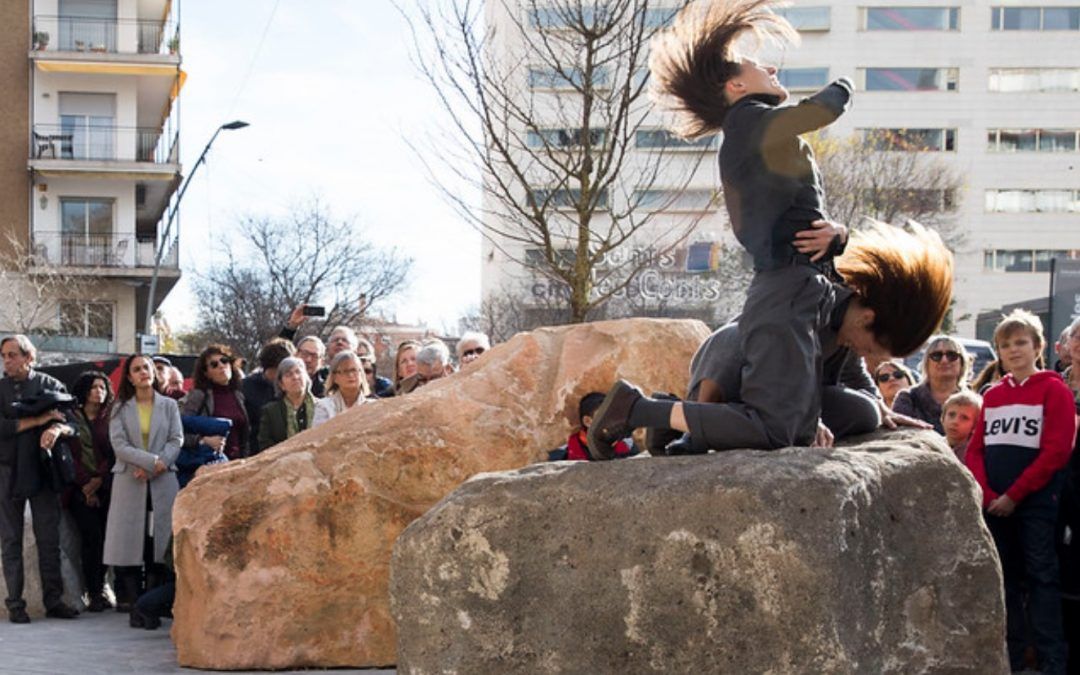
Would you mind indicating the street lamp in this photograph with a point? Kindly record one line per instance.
(149, 319)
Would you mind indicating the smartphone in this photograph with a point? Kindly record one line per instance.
(314, 310)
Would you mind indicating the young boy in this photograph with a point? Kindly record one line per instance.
(577, 446)
(1022, 441)
(958, 416)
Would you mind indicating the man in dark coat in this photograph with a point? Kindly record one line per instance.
(22, 381)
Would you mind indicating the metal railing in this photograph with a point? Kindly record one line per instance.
(97, 142)
(104, 36)
(77, 249)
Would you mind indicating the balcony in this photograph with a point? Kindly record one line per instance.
(96, 251)
(93, 36)
(104, 143)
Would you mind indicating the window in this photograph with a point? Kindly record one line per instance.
(566, 78)
(651, 139)
(86, 319)
(566, 16)
(803, 79)
(911, 140)
(674, 200)
(86, 218)
(564, 257)
(1035, 18)
(87, 25)
(564, 138)
(910, 79)
(807, 18)
(1032, 140)
(564, 198)
(1034, 79)
(1024, 260)
(1033, 201)
(911, 18)
(87, 119)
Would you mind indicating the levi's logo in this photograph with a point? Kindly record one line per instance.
(1014, 425)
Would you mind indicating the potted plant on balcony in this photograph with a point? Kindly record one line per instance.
(174, 44)
(41, 40)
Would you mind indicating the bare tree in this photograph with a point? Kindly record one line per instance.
(307, 257)
(35, 288)
(890, 176)
(551, 107)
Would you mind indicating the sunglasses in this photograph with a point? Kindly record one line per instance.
(952, 356)
(895, 375)
(475, 350)
(214, 363)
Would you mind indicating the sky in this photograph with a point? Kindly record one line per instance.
(331, 93)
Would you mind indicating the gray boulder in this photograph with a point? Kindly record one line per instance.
(871, 558)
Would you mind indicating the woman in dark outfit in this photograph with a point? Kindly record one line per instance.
(217, 394)
(88, 499)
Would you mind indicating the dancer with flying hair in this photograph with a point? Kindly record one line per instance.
(883, 298)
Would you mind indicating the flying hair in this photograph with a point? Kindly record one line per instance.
(691, 61)
(905, 275)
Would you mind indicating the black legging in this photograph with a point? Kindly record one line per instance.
(90, 520)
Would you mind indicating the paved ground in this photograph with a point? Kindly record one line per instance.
(93, 643)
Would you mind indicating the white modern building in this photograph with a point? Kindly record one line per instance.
(90, 155)
(992, 90)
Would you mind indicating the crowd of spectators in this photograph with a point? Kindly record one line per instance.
(132, 450)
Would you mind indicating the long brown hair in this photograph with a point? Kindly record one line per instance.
(691, 62)
(906, 276)
(202, 379)
(126, 390)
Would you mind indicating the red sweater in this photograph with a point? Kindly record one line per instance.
(577, 447)
(1024, 436)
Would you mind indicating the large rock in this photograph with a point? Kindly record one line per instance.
(283, 561)
(869, 559)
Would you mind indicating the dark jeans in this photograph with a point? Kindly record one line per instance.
(45, 511)
(157, 602)
(1025, 544)
(91, 523)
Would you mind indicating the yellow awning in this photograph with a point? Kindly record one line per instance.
(163, 70)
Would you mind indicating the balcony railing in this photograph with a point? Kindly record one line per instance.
(104, 36)
(76, 249)
(95, 142)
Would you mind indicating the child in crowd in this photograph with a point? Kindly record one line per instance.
(1022, 441)
(577, 446)
(958, 415)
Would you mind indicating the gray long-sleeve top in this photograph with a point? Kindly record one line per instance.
(771, 182)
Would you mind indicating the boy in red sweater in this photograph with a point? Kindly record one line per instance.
(1022, 441)
(577, 446)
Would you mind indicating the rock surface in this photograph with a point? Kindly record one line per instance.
(284, 560)
(869, 559)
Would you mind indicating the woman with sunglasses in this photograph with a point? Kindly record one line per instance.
(892, 377)
(216, 393)
(946, 368)
(346, 386)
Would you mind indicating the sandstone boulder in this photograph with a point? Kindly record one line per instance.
(283, 561)
(868, 559)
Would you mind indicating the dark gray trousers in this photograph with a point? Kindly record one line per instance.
(45, 510)
(780, 391)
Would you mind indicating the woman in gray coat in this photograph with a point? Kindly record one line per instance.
(146, 435)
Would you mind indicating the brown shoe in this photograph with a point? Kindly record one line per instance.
(611, 422)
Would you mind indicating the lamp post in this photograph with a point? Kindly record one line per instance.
(149, 319)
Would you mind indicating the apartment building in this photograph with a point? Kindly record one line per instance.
(991, 90)
(89, 163)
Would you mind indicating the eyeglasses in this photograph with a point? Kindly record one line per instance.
(936, 357)
(475, 350)
(215, 363)
(895, 375)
